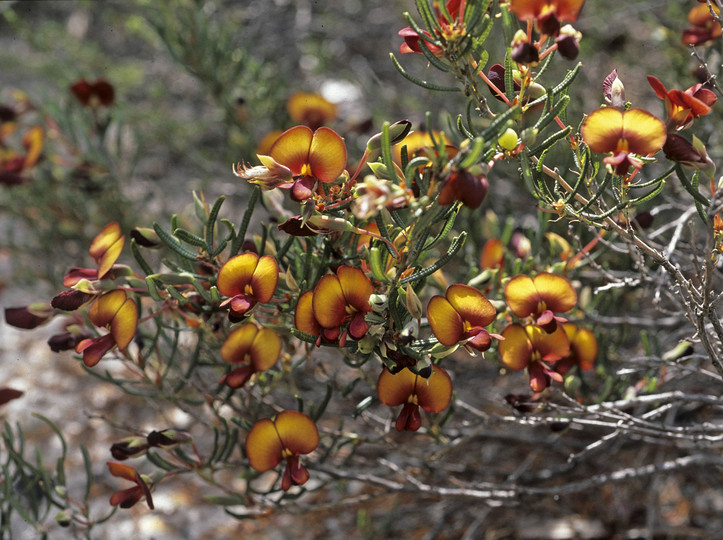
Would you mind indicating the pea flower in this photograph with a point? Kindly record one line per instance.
(247, 279)
(13, 165)
(256, 349)
(463, 186)
(705, 28)
(683, 106)
(692, 155)
(547, 14)
(336, 307)
(413, 391)
(493, 254)
(105, 250)
(540, 297)
(583, 349)
(119, 314)
(29, 317)
(286, 437)
(532, 348)
(297, 160)
(448, 29)
(460, 316)
(130, 496)
(624, 134)
(93, 94)
(310, 109)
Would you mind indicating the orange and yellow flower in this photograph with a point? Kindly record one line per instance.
(683, 106)
(286, 437)
(540, 297)
(257, 349)
(493, 254)
(13, 165)
(336, 307)
(532, 348)
(117, 313)
(449, 29)
(94, 94)
(105, 250)
(298, 160)
(461, 317)
(624, 134)
(583, 349)
(247, 279)
(310, 109)
(413, 391)
(704, 27)
(548, 14)
(128, 497)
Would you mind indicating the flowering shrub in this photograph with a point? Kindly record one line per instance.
(378, 280)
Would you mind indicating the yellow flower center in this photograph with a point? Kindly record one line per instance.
(535, 356)
(622, 146)
(541, 306)
(306, 170)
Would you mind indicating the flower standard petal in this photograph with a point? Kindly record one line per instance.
(569, 10)
(106, 247)
(516, 349)
(583, 346)
(435, 393)
(553, 346)
(94, 349)
(521, 295)
(263, 446)
(121, 470)
(265, 349)
(311, 109)
(124, 324)
(297, 432)
(644, 132)
(238, 343)
(103, 310)
(265, 278)
(304, 319)
(291, 149)
(447, 325)
(356, 287)
(471, 304)
(555, 291)
(327, 155)
(236, 274)
(395, 389)
(526, 10)
(603, 129)
(328, 302)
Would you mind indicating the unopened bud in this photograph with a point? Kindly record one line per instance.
(63, 518)
(168, 438)
(614, 90)
(414, 304)
(397, 132)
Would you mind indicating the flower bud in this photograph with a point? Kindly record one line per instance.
(508, 140)
(129, 447)
(397, 132)
(63, 518)
(167, 439)
(614, 90)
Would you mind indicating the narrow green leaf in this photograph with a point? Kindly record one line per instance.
(454, 247)
(420, 82)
